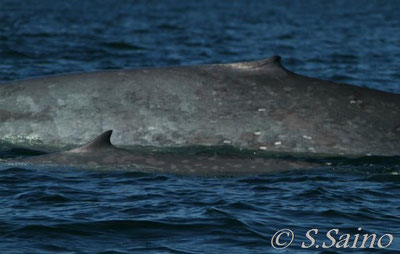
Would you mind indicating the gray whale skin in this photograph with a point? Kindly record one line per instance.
(100, 154)
(256, 105)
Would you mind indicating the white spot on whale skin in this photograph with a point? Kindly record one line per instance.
(262, 148)
(257, 133)
(356, 101)
(61, 102)
(307, 137)
(261, 109)
(277, 143)
(227, 142)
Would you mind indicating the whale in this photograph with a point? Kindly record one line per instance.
(253, 105)
(101, 154)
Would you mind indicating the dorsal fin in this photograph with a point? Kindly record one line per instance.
(271, 63)
(101, 142)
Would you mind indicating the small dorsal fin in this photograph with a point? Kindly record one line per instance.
(274, 60)
(101, 142)
(272, 63)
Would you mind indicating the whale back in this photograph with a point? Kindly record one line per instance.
(256, 105)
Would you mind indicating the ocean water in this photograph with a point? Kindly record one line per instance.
(62, 210)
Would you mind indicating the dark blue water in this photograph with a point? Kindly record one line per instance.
(60, 210)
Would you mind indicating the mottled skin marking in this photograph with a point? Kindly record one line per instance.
(205, 105)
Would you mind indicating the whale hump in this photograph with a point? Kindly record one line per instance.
(103, 141)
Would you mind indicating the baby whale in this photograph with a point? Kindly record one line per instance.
(256, 105)
(101, 154)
